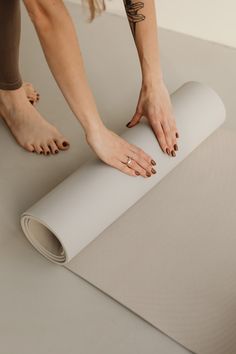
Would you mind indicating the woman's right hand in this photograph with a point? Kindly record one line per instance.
(114, 151)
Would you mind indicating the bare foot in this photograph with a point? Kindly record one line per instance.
(28, 127)
(32, 95)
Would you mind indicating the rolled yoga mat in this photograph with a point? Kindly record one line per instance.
(169, 258)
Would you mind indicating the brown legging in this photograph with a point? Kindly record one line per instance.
(10, 20)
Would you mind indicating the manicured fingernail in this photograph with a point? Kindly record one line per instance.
(65, 144)
(176, 147)
(177, 135)
(153, 170)
(168, 151)
(173, 153)
(56, 151)
(148, 174)
(137, 173)
(153, 162)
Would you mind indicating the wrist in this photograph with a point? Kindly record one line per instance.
(152, 82)
(92, 123)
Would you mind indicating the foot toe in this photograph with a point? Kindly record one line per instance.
(29, 147)
(62, 144)
(53, 147)
(38, 149)
(46, 149)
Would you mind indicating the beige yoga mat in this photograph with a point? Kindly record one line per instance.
(164, 246)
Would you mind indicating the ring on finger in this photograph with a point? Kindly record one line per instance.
(129, 161)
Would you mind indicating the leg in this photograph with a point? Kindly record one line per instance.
(10, 78)
(29, 128)
(10, 21)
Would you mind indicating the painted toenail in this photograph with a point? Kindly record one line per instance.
(176, 147)
(65, 143)
(48, 152)
(173, 153)
(41, 152)
(153, 162)
(56, 151)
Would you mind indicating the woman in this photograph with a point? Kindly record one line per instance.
(34, 133)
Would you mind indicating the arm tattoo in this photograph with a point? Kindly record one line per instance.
(132, 9)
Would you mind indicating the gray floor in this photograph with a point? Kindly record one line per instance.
(45, 308)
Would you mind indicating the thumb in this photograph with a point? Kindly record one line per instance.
(135, 120)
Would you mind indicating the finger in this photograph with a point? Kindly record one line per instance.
(133, 165)
(157, 128)
(167, 132)
(125, 169)
(144, 155)
(143, 163)
(173, 133)
(135, 120)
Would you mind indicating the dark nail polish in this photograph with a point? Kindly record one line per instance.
(65, 144)
(128, 124)
(48, 152)
(176, 147)
(56, 151)
(177, 135)
(148, 174)
(153, 171)
(137, 173)
(168, 151)
(41, 152)
(173, 153)
(153, 162)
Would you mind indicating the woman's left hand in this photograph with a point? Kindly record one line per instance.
(154, 103)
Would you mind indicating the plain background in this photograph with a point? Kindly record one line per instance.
(212, 20)
(45, 308)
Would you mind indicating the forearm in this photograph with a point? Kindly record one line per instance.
(59, 41)
(143, 24)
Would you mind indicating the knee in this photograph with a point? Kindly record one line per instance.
(42, 12)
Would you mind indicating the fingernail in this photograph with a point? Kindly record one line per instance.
(176, 147)
(65, 144)
(153, 162)
(173, 153)
(168, 151)
(128, 124)
(177, 135)
(56, 151)
(148, 174)
(153, 170)
(137, 173)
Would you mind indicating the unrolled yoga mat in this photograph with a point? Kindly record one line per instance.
(170, 257)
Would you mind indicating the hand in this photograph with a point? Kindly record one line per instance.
(154, 103)
(114, 151)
